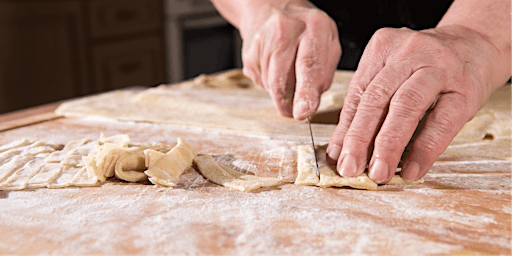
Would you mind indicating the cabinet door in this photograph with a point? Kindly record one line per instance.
(41, 53)
(129, 63)
(119, 17)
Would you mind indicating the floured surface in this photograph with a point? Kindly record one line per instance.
(240, 105)
(463, 206)
(493, 120)
(137, 219)
(250, 109)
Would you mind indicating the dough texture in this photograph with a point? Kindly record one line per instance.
(227, 177)
(37, 164)
(227, 100)
(165, 169)
(329, 177)
(22, 160)
(85, 162)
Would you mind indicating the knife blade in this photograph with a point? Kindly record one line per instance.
(314, 149)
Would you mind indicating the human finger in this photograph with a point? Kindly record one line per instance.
(282, 50)
(333, 58)
(443, 123)
(250, 59)
(406, 108)
(371, 112)
(372, 61)
(310, 67)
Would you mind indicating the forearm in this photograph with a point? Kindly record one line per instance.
(237, 12)
(491, 20)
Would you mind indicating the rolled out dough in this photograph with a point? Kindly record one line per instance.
(329, 177)
(227, 177)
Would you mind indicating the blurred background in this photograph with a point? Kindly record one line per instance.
(51, 50)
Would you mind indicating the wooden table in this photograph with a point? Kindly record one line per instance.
(464, 206)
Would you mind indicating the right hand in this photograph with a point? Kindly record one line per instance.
(292, 51)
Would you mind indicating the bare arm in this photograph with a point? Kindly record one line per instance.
(490, 19)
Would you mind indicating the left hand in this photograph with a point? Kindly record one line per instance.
(399, 77)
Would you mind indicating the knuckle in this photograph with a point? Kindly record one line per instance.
(280, 35)
(342, 128)
(376, 97)
(318, 15)
(444, 122)
(279, 90)
(357, 138)
(408, 99)
(430, 145)
(383, 34)
(351, 102)
(311, 69)
(419, 38)
(390, 142)
(309, 62)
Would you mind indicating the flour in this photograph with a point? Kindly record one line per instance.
(461, 206)
(290, 220)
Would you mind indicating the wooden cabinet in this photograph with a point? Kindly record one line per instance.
(55, 50)
(133, 62)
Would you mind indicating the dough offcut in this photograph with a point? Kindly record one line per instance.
(227, 177)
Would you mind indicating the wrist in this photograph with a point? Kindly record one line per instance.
(254, 13)
(487, 62)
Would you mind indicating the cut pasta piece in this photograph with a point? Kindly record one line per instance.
(48, 173)
(329, 177)
(227, 177)
(58, 156)
(165, 169)
(82, 179)
(131, 166)
(14, 144)
(19, 179)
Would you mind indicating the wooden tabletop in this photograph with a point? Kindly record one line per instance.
(464, 206)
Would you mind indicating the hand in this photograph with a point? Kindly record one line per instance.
(292, 52)
(398, 78)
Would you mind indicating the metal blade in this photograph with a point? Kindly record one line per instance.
(314, 149)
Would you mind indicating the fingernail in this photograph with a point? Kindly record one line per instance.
(379, 171)
(300, 109)
(333, 153)
(348, 166)
(410, 171)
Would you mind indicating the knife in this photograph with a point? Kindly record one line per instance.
(314, 149)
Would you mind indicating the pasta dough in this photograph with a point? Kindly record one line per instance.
(22, 160)
(227, 100)
(329, 177)
(36, 164)
(85, 162)
(165, 169)
(114, 156)
(227, 177)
